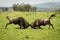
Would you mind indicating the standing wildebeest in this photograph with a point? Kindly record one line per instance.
(18, 20)
(41, 21)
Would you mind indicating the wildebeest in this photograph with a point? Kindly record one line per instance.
(41, 21)
(18, 20)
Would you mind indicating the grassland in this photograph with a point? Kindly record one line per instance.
(29, 34)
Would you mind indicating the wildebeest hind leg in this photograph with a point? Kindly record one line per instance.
(7, 25)
(49, 26)
(52, 26)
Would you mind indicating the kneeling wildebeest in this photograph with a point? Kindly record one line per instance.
(41, 21)
(18, 20)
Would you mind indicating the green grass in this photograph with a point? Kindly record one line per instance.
(29, 34)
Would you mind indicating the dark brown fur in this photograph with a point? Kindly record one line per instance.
(18, 20)
(41, 21)
(53, 15)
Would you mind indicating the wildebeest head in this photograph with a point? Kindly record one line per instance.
(35, 24)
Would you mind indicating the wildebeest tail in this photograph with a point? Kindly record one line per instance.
(53, 15)
(8, 17)
(50, 17)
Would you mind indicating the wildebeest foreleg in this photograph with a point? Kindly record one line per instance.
(22, 27)
(37, 27)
